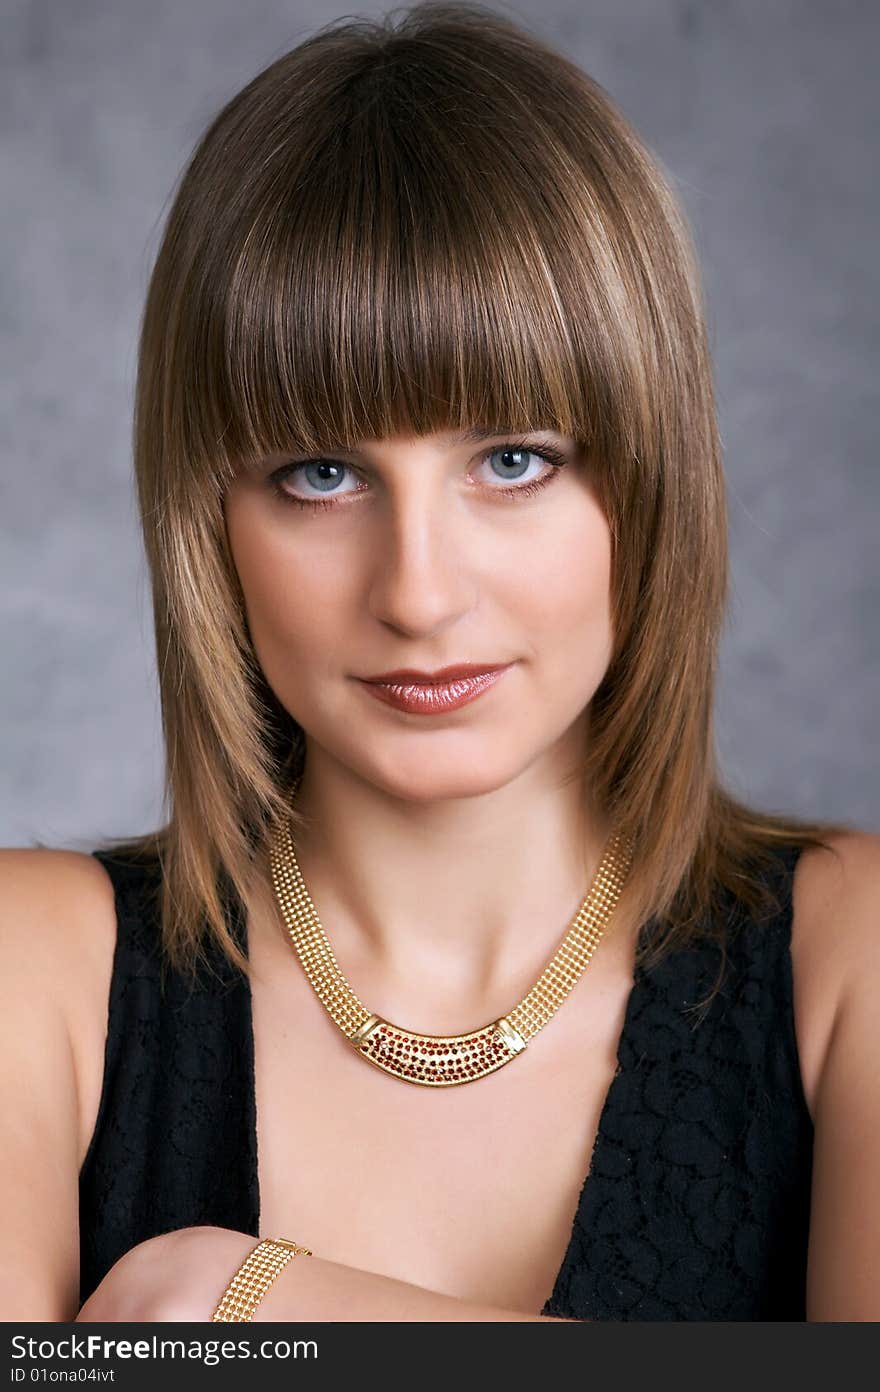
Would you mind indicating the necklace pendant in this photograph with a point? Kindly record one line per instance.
(437, 1060)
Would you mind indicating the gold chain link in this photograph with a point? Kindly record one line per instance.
(254, 1277)
(443, 1060)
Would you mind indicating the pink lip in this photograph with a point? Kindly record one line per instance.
(443, 674)
(424, 693)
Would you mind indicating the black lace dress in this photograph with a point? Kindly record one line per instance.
(696, 1206)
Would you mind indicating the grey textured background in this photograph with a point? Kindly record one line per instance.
(765, 113)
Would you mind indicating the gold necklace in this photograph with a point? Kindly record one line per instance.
(443, 1060)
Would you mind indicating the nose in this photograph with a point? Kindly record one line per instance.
(421, 582)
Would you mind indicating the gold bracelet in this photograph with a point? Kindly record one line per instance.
(254, 1277)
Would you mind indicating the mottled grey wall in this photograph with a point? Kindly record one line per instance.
(764, 111)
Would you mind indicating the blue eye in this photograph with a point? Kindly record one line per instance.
(515, 461)
(323, 474)
(509, 462)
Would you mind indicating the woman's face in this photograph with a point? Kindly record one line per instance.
(426, 553)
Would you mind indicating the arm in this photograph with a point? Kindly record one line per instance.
(181, 1276)
(311, 1289)
(843, 915)
(48, 902)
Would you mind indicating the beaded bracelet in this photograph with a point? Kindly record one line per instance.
(254, 1277)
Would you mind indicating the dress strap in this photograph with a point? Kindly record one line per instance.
(174, 1144)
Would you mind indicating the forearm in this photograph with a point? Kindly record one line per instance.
(310, 1288)
(181, 1275)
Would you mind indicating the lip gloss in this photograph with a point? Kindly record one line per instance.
(418, 698)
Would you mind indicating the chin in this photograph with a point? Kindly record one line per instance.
(447, 781)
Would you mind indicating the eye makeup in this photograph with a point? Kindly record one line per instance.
(555, 457)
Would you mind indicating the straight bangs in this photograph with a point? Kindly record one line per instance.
(408, 268)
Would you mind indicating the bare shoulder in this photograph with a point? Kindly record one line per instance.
(57, 937)
(836, 963)
(55, 905)
(835, 941)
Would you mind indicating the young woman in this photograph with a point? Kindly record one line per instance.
(454, 964)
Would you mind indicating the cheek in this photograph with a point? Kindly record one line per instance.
(294, 597)
(568, 594)
(297, 607)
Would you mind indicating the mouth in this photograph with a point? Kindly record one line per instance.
(434, 693)
(438, 678)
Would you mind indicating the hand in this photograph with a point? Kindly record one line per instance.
(179, 1276)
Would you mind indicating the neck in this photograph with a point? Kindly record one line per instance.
(448, 908)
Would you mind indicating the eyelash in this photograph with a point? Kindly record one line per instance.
(549, 453)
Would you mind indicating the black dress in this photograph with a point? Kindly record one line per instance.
(696, 1206)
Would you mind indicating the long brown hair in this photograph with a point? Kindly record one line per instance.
(403, 226)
